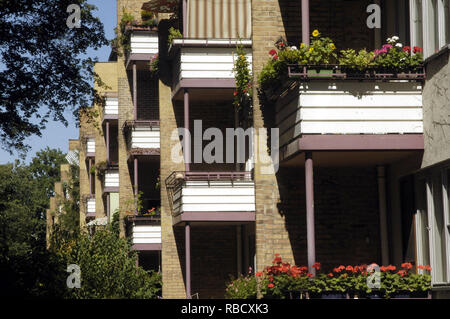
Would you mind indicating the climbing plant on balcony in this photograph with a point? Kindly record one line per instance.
(243, 94)
(173, 34)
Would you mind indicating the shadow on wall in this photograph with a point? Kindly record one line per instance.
(346, 214)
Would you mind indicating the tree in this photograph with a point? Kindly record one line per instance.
(108, 268)
(44, 67)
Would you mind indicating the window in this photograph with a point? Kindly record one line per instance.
(429, 20)
(432, 218)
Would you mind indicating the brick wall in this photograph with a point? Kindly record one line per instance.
(147, 95)
(343, 21)
(346, 214)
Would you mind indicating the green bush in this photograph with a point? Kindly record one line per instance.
(108, 268)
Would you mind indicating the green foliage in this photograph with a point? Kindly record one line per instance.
(243, 287)
(45, 69)
(115, 223)
(392, 58)
(26, 267)
(173, 34)
(154, 64)
(109, 270)
(122, 39)
(243, 78)
(356, 61)
(148, 18)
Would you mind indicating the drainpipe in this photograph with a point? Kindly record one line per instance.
(187, 140)
(305, 22)
(187, 234)
(134, 91)
(383, 219)
(309, 183)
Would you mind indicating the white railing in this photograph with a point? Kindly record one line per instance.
(349, 107)
(90, 205)
(145, 137)
(146, 234)
(111, 178)
(207, 62)
(111, 106)
(90, 145)
(142, 42)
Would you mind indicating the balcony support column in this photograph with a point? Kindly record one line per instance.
(108, 207)
(185, 18)
(309, 184)
(239, 249)
(134, 91)
(383, 219)
(187, 230)
(136, 180)
(186, 138)
(90, 176)
(305, 22)
(107, 142)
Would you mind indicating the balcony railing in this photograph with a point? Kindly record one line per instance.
(145, 232)
(90, 206)
(330, 106)
(208, 60)
(111, 180)
(206, 192)
(111, 109)
(143, 135)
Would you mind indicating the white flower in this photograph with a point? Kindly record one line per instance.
(395, 38)
(293, 48)
(399, 45)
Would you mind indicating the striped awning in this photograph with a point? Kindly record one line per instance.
(219, 19)
(211, 19)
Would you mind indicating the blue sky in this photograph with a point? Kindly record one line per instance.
(57, 135)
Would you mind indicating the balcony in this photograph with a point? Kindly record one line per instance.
(111, 110)
(145, 232)
(211, 196)
(111, 180)
(90, 147)
(143, 46)
(143, 137)
(341, 113)
(90, 206)
(205, 63)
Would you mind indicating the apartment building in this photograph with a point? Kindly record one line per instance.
(363, 173)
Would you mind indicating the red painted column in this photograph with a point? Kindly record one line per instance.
(107, 142)
(187, 140)
(305, 22)
(134, 91)
(187, 229)
(90, 176)
(136, 180)
(309, 184)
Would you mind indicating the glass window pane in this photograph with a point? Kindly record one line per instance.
(421, 220)
(438, 232)
(447, 20)
(418, 29)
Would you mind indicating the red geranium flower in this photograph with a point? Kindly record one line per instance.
(270, 285)
(235, 93)
(402, 272)
(417, 49)
(391, 267)
(349, 268)
(273, 52)
(407, 265)
(316, 265)
(407, 49)
(383, 268)
(259, 274)
(275, 57)
(330, 274)
(337, 269)
(428, 268)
